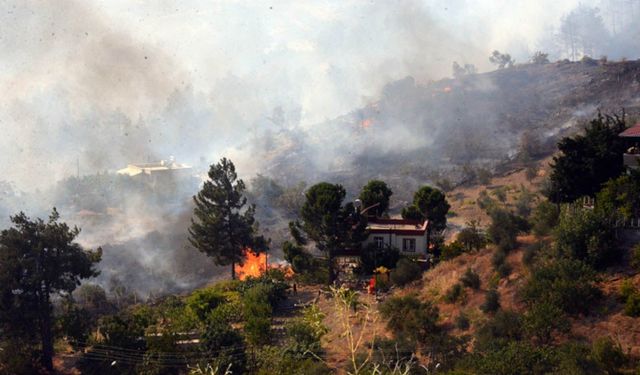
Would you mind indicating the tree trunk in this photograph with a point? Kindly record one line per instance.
(46, 335)
(233, 270)
(330, 267)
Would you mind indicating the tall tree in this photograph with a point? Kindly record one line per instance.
(431, 204)
(587, 160)
(39, 259)
(223, 225)
(376, 192)
(330, 224)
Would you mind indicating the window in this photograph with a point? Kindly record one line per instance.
(379, 241)
(409, 244)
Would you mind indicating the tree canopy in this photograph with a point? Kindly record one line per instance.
(376, 192)
(223, 225)
(331, 225)
(587, 160)
(39, 259)
(429, 203)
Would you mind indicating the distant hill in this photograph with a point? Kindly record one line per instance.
(416, 132)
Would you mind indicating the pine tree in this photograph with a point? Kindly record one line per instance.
(38, 259)
(223, 226)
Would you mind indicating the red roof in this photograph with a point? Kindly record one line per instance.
(633, 131)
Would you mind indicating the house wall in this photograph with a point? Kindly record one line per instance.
(396, 241)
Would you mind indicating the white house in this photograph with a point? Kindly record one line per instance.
(408, 236)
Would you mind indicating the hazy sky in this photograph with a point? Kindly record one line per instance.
(78, 76)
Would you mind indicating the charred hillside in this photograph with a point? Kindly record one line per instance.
(419, 132)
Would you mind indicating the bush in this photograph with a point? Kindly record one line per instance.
(203, 301)
(635, 257)
(543, 320)
(257, 312)
(499, 262)
(544, 218)
(626, 289)
(374, 257)
(405, 272)
(565, 283)
(498, 331)
(454, 294)
(452, 250)
(586, 235)
(471, 238)
(504, 228)
(491, 302)
(608, 354)
(531, 253)
(462, 322)
(224, 345)
(470, 279)
(632, 306)
(410, 318)
(483, 176)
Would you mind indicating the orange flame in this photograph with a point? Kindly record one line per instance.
(254, 266)
(366, 123)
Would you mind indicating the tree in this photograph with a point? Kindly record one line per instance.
(328, 223)
(376, 192)
(540, 58)
(431, 204)
(222, 227)
(587, 160)
(460, 71)
(39, 259)
(502, 60)
(583, 32)
(566, 283)
(586, 235)
(504, 228)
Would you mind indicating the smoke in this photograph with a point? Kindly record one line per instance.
(296, 90)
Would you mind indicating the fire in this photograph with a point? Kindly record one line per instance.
(366, 123)
(254, 266)
(447, 89)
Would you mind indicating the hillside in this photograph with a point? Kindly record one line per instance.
(418, 132)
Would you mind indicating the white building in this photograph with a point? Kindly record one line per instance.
(408, 236)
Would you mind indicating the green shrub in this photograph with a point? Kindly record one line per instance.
(471, 238)
(635, 257)
(531, 253)
(491, 302)
(257, 312)
(632, 306)
(626, 289)
(452, 250)
(543, 320)
(374, 257)
(405, 272)
(504, 228)
(566, 283)
(462, 322)
(586, 235)
(410, 318)
(544, 218)
(504, 270)
(202, 301)
(470, 279)
(608, 353)
(499, 262)
(503, 327)
(224, 345)
(454, 294)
